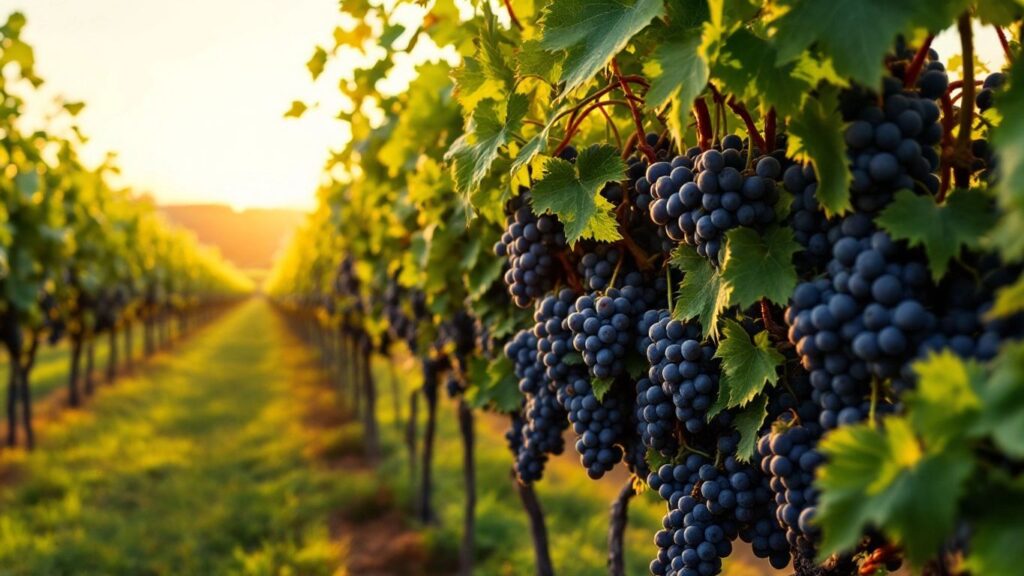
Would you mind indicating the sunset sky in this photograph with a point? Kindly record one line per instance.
(191, 93)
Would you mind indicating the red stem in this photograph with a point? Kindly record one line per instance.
(512, 15)
(740, 110)
(962, 156)
(638, 119)
(769, 323)
(615, 129)
(1005, 44)
(946, 165)
(769, 129)
(577, 120)
(910, 76)
(704, 126)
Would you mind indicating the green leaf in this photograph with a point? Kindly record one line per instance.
(999, 12)
(1009, 300)
(748, 423)
(757, 267)
(316, 62)
(747, 365)
(943, 229)
(572, 192)
(816, 134)
(601, 386)
(702, 294)
(996, 529)
(74, 108)
(472, 84)
(747, 66)
(490, 128)
(592, 32)
(493, 384)
(533, 60)
(944, 403)
(1003, 401)
(391, 33)
(856, 34)
(678, 73)
(297, 110)
(883, 477)
(1008, 139)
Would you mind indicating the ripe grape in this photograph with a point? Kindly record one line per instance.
(530, 243)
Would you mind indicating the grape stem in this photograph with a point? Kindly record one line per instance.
(912, 72)
(703, 117)
(1004, 43)
(612, 126)
(512, 15)
(641, 142)
(962, 156)
(947, 147)
(770, 127)
(740, 110)
(769, 323)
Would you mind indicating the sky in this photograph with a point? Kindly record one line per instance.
(191, 93)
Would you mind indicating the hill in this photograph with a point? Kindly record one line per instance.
(249, 238)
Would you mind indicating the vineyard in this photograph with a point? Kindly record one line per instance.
(597, 286)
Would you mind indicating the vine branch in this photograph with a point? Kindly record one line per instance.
(962, 153)
(641, 143)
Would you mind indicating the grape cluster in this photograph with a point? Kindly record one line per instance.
(530, 243)
(554, 340)
(600, 426)
(598, 265)
(808, 221)
(698, 199)
(544, 419)
(684, 368)
(790, 458)
(656, 418)
(893, 146)
(604, 326)
(864, 319)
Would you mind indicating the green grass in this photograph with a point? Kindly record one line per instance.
(199, 465)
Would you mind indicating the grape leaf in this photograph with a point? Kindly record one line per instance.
(572, 192)
(702, 294)
(1008, 139)
(1003, 401)
(884, 477)
(998, 12)
(601, 386)
(747, 365)
(494, 385)
(297, 110)
(996, 528)
(856, 34)
(358, 35)
(944, 403)
(748, 423)
(472, 84)
(747, 67)
(816, 135)
(316, 62)
(592, 32)
(678, 73)
(74, 108)
(1009, 300)
(488, 130)
(943, 229)
(758, 266)
(533, 60)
